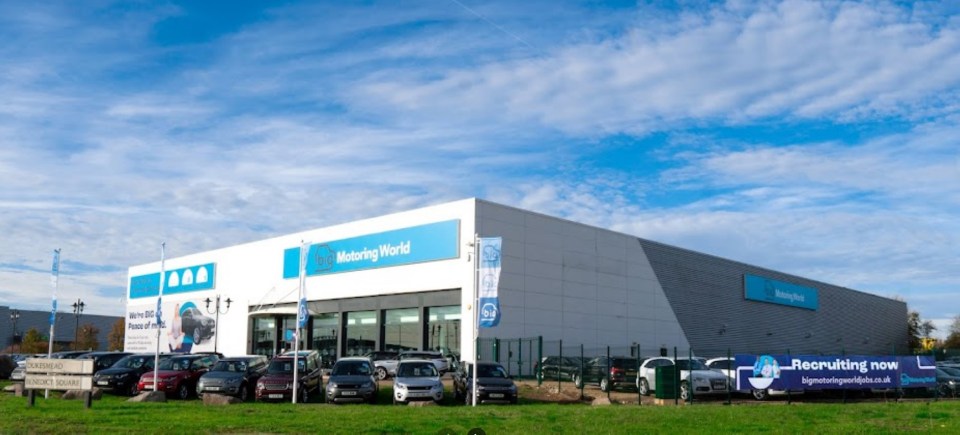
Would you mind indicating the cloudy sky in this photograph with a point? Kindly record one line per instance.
(816, 138)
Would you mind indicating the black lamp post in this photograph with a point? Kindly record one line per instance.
(216, 322)
(77, 311)
(14, 316)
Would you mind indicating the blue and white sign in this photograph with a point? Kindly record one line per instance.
(816, 372)
(489, 270)
(430, 242)
(184, 280)
(758, 288)
(302, 314)
(54, 278)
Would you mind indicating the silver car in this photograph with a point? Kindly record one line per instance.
(417, 379)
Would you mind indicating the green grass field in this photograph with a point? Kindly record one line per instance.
(114, 414)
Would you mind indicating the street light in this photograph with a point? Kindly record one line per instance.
(77, 311)
(216, 321)
(14, 316)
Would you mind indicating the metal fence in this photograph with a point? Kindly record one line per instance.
(568, 366)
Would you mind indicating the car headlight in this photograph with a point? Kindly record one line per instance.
(400, 386)
(701, 381)
(332, 385)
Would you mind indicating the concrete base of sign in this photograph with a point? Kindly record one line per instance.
(599, 401)
(149, 396)
(219, 399)
(95, 394)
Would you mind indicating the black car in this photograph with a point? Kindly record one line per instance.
(351, 380)
(609, 373)
(233, 376)
(103, 360)
(69, 354)
(197, 324)
(555, 367)
(493, 384)
(122, 376)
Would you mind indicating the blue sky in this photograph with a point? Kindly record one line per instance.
(816, 138)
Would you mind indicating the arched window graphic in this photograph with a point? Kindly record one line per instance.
(187, 277)
(174, 280)
(202, 275)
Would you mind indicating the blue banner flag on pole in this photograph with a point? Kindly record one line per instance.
(54, 279)
(488, 300)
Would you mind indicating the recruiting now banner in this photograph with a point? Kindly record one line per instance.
(817, 372)
(489, 300)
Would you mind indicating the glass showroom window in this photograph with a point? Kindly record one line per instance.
(264, 335)
(443, 329)
(326, 328)
(361, 332)
(288, 324)
(401, 329)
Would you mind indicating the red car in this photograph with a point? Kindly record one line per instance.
(277, 383)
(178, 374)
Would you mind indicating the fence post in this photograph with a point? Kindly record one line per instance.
(896, 391)
(496, 350)
(581, 372)
(639, 396)
(520, 358)
(843, 353)
(559, 359)
(730, 362)
(933, 355)
(676, 379)
(539, 360)
(690, 387)
(789, 395)
(607, 374)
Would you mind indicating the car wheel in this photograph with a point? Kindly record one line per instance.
(133, 391)
(760, 394)
(604, 385)
(684, 391)
(381, 373)
(196, 335)
(578, 381)
(244, 393)
(644, 387)
(183, 391)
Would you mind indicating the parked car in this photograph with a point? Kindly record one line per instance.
(384, 362)
(104, 360)
(233, 376)
(197, 324)
(493, 384)
(351, 380)
(692, 371)
(122, 377)
(277, 383)
(178, 374)
(725, 365)
(613, 372)
(948, 384)
(18, 373)
(67, 354)
(438, 359)
(554, 367)
(417, 380)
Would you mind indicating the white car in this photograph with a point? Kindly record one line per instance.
(417, 379)
(692, 371)
(439, 361)
(725, 365)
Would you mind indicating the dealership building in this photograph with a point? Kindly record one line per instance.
(406, 281)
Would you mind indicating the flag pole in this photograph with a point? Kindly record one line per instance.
(301, 316)
(55, 277)
(476, 315)
(156, 356)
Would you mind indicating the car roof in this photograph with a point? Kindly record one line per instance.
(353, 358)
(415, 360)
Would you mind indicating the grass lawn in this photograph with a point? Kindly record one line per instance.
(114, 414)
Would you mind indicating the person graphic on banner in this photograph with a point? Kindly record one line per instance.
(179, 342)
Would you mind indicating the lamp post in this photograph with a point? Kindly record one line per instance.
(216, 322)
(77, 312)
(14, 316)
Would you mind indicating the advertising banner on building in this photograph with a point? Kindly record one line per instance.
(817, 372)
(187, 327)
(488, 298)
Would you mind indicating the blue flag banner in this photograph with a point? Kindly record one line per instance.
(489, 301)
(302, 314)
(818, 372)
(54, 277)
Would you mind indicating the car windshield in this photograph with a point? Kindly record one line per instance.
(417, 370)
(131, 362)
(691, 364)
(230, 366)
(351, 368)
(491, 371)
(284, 366)
(176, 364)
